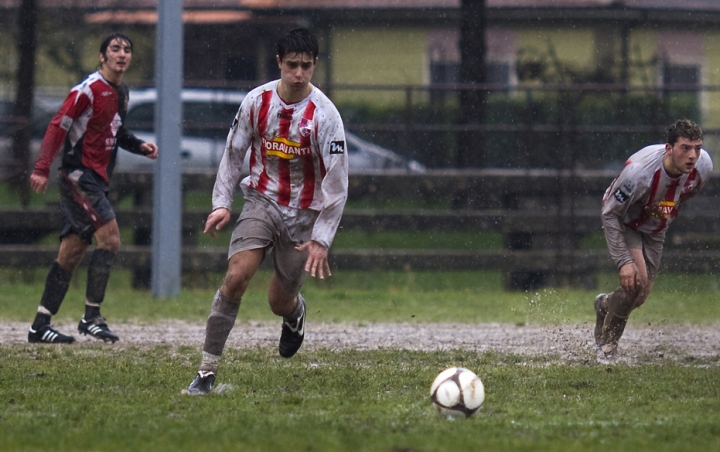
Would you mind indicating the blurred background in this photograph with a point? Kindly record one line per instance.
(494, 83)
(507, 118)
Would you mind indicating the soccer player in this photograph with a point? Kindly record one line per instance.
(294, 197)
(88, 128)
(637, 209)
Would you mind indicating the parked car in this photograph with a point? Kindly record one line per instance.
(44, 108)
(207, 115)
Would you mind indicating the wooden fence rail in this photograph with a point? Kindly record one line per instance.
(542, 216)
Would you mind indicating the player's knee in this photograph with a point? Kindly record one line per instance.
(620, 304)
(111, 244)
(282, 305)
(70, 260)
(235, 283)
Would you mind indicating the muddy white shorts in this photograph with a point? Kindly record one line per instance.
(262, 225)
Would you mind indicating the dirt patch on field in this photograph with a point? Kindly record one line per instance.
(695, 345)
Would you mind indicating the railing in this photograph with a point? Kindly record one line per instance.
(541, 238)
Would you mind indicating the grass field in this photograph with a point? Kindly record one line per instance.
(92, 396)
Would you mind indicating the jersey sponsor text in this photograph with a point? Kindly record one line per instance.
(284, 148)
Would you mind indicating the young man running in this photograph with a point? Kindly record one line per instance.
(88, 128)
(294, 197)
(637, 209)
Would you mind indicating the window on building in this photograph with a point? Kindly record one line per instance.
(449, 72)
(498, 72)
(676, 74)
(444, 72)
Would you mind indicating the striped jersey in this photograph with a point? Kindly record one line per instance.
(298, 158)
(646, 199)
(88, 127)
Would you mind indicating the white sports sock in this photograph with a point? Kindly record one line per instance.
(209, 362)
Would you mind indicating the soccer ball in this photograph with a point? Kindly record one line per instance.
(457, 392)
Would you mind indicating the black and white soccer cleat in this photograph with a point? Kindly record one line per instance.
(97, 327)
(203, 383)
(47, 335)
(293, 333)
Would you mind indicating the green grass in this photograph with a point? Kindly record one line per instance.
(378, 296)
(104, 398)
(126, 398)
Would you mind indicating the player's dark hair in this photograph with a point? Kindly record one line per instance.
(106, 42)
(683, 128)
(299, 40)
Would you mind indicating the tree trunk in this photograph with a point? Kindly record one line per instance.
(472, 72)
(27, 19)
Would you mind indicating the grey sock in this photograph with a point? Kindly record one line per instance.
(219, 324)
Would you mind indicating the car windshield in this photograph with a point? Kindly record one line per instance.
(200, 119)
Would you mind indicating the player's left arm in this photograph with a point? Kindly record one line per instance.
(331, 140)
(127, 140)
(149, 150)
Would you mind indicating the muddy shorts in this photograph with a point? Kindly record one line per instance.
(651, 246)
(262, 225)
(84, 203)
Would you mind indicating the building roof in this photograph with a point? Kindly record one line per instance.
(692, 13)
(688, 5)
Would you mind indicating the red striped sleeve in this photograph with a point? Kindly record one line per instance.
(56, 132)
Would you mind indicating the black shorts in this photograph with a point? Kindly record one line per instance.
(84, 202)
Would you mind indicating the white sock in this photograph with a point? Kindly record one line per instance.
(209, 362)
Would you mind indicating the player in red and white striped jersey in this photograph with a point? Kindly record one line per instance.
(294, 197)
(637, 209)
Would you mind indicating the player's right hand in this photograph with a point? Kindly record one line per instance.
(217, 220)
(630, 279)
(38, 183)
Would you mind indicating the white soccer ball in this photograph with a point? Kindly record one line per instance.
(457, 392)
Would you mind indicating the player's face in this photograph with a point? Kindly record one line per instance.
(296, 70)
(118, 56)
(683, 155)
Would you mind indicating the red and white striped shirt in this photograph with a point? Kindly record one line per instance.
(646, 199)
(298, 156)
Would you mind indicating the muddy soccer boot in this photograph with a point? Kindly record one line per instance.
(293, 332)
(203, 383)
(613, 329)
(46, 334)
(97, 328)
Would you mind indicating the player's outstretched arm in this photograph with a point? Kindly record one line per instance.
(38, 183)
(317, 262)
(217, 220)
